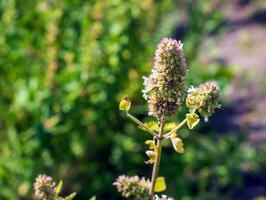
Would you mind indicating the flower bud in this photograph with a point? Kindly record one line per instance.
(165, 86)
(125, 104)
(152, 156)
(204, 98)
(152, 153)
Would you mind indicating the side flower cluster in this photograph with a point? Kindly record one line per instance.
(44, 187)
(133, 187)
(165, 86)
(204, 98)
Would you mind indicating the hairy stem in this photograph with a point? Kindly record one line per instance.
(134, 119)
(158, 159)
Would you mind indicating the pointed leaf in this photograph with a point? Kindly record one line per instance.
(192, 120)
(178, 144)
(93, 198)
(58, 188)
(160, 184)
(169, 126)
(151, 144)
(71, 196)
(153, 125)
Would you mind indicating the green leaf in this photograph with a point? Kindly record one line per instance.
(160, 184)
(71, 196)
(153, 125)
(125, 104)
(58, 188)
(192, 120)
(170, 125)
(151, 144)
(178, 145)
(93, 198)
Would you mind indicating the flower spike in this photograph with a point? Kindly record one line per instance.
(165, 86)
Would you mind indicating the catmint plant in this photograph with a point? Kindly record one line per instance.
(165, 91)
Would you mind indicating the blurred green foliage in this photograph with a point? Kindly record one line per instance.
(65, 64)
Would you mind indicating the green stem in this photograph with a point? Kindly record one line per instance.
(157, 161)
(176, 128)
(134, 119)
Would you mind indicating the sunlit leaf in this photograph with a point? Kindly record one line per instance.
(58, 188)
(178, 144)
(71, 196)
(153, 125)
(151, 144)
(93, 198)
(192, 120)
(169, 126)
(160, 184)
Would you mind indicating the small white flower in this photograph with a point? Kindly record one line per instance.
(145, 83)
(191, 89)
(164, 197)
(145, 94)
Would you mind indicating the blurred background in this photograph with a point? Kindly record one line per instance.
(65, 64)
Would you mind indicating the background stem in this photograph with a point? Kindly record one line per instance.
(158, 159)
